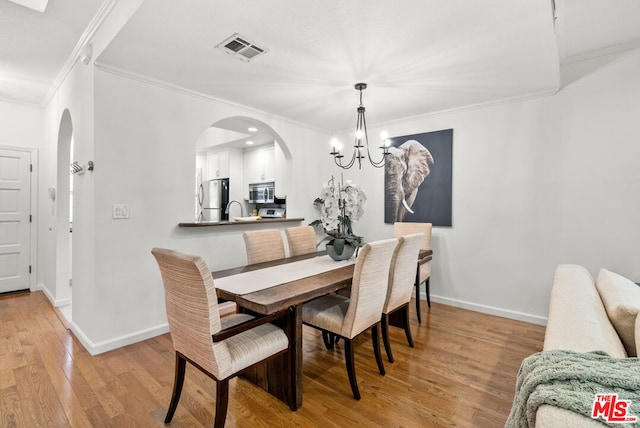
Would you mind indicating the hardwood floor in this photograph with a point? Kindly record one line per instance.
(461, 373)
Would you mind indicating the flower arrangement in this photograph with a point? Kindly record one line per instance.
(339, 205)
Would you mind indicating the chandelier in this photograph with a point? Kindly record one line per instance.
(361, 144)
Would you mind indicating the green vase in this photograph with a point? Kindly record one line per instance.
(347, 252)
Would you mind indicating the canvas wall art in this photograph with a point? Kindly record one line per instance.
(418, 177)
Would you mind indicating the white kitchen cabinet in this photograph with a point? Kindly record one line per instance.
(217, 165)
(259, 165)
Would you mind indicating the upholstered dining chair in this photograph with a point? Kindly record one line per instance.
(402, 275)
(221, 348)
(347, 317)
(263, 245)
(301, 240)
(423, 273)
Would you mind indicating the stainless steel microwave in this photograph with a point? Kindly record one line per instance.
(262, 193)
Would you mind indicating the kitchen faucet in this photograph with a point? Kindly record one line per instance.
(226, 211)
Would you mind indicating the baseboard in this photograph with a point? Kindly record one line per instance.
(119, 342)
(491, 310)
(56, 303)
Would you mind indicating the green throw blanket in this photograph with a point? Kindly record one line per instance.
(571, 380)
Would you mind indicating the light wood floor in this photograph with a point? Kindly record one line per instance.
(461, 373)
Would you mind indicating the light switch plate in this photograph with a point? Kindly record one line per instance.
(120, 211)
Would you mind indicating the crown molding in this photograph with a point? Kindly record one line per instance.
(610, 50)
(175, 88)
(21, 102)
(93, 26)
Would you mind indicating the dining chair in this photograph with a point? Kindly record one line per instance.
(423, 269)
(301, 240)
(263, 245)
(221, 348)
(402, 275)
(345, 318)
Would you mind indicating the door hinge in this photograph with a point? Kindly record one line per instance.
(30, 218)
(30, 167)
(29, 268)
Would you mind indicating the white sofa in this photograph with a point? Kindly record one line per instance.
(579, 320)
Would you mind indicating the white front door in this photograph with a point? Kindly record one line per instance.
(15, 211)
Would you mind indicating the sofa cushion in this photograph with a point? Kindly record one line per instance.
(638, 335)
(549, 416)
(621, 298)
(577, 319)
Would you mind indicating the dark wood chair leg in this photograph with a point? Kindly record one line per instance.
(407, 324)
(376, 348)
(385, 337)
(428, 283)
(178, 381)
(418, 302)
(222, 401)
(329, 340)
(351, 368)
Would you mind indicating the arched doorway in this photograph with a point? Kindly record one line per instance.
(64, 214)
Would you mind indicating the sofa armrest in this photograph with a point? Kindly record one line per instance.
(577, 318)
(244, 326)
(638, 335)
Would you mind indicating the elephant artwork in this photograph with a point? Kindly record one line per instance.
(407, 167)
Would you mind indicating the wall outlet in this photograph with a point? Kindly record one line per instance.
(120, 211)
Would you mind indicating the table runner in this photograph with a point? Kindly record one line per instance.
(256, 280)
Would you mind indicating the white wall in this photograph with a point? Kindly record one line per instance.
(145, 156)
(75, 95)
(21, 125)
(22, 128)
(535, 184)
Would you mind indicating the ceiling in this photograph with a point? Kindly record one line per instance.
(417, 56)
(35, 46)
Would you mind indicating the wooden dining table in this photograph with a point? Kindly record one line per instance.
(262, 290)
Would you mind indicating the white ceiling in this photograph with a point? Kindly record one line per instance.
(417, 56)
(35, 46)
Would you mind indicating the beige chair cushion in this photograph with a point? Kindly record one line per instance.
(326, 312)
(425, 271)
(253, 345)
(621, 298)
(263, 245)
(577, 318)
(301, 240)
(402, 275)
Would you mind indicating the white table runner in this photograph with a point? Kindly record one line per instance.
(248, 282)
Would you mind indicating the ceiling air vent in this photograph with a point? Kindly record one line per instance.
(239, 47)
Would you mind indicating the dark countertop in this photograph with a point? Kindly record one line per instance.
(237, 223)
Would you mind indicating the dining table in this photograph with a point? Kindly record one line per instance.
(282, 287)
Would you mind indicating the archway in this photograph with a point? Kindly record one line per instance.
(64, 253)
(230, 136)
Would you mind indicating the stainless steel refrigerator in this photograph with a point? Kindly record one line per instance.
(213, 197)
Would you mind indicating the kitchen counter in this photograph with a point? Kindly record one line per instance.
(237, 223)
